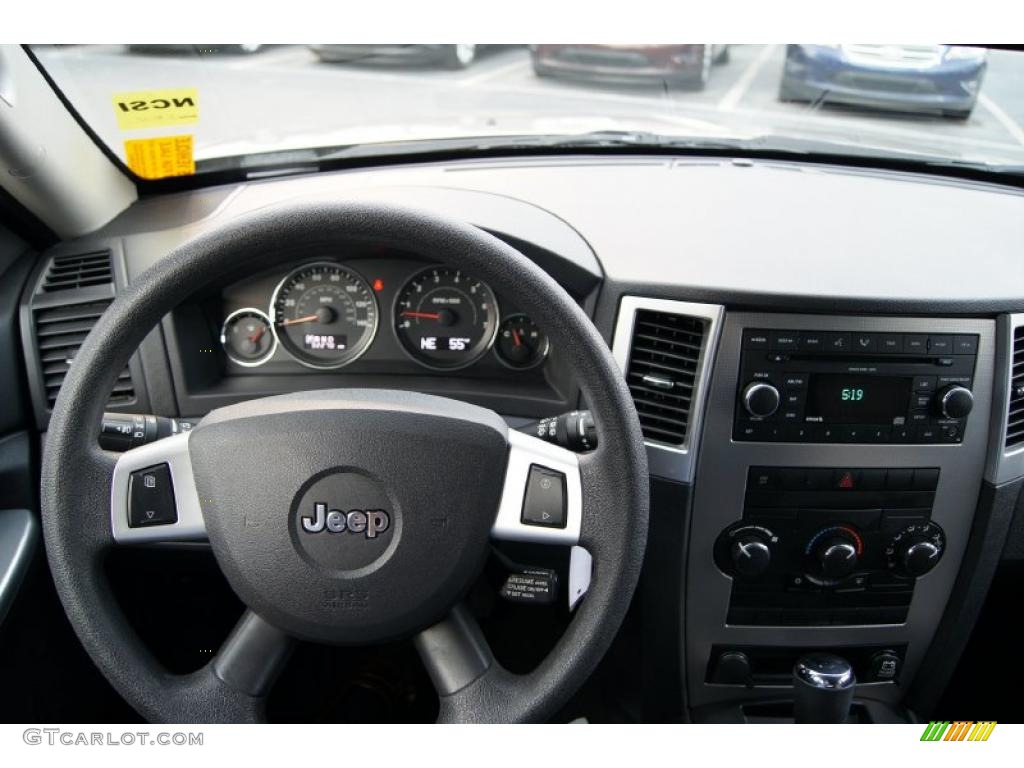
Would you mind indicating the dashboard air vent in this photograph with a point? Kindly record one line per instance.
(662, 373)
(78, 270)
(1015, 416)
(60, 332)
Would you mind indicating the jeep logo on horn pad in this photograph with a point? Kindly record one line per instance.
(369, 522)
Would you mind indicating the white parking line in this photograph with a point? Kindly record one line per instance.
(1012, 126)
(494, 74)
(739, 89)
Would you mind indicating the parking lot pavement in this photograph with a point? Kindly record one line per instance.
(252, 101)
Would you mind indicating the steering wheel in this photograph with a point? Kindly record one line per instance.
(343, 516)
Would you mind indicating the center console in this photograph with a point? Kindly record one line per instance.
(840, 465)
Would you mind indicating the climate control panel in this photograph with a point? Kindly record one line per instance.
(821, 546)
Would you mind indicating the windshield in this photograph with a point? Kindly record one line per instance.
(174, 110)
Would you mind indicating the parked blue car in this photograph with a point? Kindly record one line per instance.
(939, 79)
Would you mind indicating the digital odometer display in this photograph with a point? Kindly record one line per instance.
(445, 318)
(842, 399)
(324, 314)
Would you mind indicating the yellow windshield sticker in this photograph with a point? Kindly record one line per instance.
(156, 109)
(160, 158)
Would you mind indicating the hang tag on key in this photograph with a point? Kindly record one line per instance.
(538, 586)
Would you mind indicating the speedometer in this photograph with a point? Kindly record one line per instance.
(445, 318)
(324, 314)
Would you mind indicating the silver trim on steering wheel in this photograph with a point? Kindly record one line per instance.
(524, 451)
(172, 451)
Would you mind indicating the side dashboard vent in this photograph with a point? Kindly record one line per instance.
(1015, 416)
(78, 270)
(60, 332)
(662, 374)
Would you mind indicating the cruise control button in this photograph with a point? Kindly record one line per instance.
(545, 502)
(151, 497)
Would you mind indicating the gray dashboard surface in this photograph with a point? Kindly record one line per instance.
(764, 228)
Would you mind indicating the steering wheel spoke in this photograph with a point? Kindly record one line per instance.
(542, 500)
(454, 651)
(253, 656)
(153, 496)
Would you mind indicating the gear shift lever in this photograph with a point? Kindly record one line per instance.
(822, 688)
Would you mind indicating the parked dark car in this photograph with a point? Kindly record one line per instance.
(944, 79)
(453, 56)
(682, 64)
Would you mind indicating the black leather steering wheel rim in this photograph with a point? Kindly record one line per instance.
(76, 473)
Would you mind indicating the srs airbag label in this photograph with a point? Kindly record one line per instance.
(156, 109)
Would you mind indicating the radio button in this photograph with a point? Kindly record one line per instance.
(878, 434)
(924, 384)
(755, 339)
(812, 342)
(965, 345)
(802, 433)
(940, 345)
(890, 343)
(865, 342)
(784, 341)
(838, 342)
(915, 344)
(902, 434)
(795, 381)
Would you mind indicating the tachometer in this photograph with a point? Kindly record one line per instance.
(324, 314)
(445, 318)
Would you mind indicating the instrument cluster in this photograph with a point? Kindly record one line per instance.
(327, 314)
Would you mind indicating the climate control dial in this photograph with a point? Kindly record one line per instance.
(916, 549)
(746, 551)
(832, 554)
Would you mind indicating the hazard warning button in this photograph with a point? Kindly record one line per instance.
(846, 479)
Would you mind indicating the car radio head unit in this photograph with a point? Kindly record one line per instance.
(841, 387)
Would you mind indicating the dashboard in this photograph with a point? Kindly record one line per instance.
(833, 411)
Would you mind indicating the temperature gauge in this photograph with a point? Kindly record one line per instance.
(247, 337)
(521, 344)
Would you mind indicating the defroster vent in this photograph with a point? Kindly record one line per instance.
(78, 270)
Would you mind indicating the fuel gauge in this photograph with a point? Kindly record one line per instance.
(521, 344)
(247, 337)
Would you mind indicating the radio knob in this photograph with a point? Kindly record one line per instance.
(760, 399)
(955, 402)
(750, 555)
